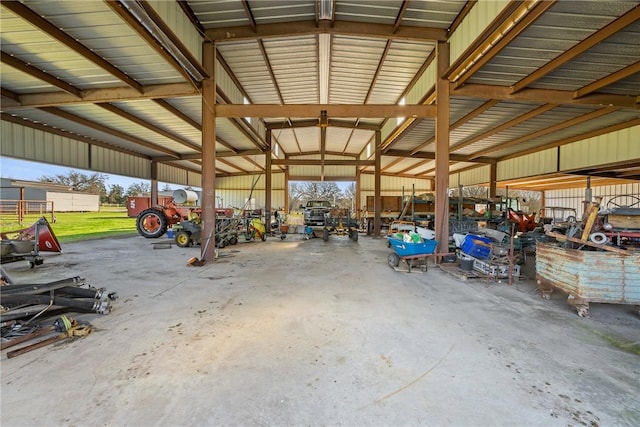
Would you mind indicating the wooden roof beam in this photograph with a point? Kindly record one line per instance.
(303, 28)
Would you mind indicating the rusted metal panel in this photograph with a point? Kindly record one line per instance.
(592, 276)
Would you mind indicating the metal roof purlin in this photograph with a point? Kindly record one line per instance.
(39, 74)
(607, 80)
(122, 10)
(114, 132)
(559, 97)
(299, 28)
(625, 20)
(581, 119)
(519, 21)
(30, 16)
(113, 94)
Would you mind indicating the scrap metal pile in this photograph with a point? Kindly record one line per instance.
(26, 311)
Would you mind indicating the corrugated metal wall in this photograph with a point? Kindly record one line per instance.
(424, 84)
(109, 161)
(475, 176)
(539, 163)
(573, 198)
(482, 14)
(233, 192)
(172, 14)
(613, 147)
(30, 144)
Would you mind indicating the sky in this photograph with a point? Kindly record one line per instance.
(33, 171)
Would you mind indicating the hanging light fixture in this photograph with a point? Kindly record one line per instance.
(323, 122)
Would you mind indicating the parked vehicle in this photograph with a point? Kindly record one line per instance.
(315, 212)
(557, 219)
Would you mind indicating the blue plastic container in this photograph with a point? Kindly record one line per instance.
(476, 246)
(408, 249)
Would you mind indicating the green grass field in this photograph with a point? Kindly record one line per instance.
(74, 226)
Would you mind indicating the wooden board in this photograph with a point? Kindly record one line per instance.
(589, 243)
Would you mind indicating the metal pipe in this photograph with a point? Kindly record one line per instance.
(102, 306)
(31, 289)
(19, 313)
(73, 291)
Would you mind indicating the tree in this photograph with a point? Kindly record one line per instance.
(138, 188)
(321, 190)
(94, 183)
(116, 195)
(167, 187)
(295, 195)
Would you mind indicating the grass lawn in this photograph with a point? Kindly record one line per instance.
(74, 226)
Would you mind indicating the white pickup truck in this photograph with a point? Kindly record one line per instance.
(315, 212)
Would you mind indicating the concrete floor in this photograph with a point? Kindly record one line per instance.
(299, 332)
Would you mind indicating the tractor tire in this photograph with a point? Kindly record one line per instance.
(325, 234)
(183, 239)
(151, 223)
(233, 240)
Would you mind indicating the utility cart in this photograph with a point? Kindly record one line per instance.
(414, 254)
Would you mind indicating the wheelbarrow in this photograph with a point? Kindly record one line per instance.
(413, 254)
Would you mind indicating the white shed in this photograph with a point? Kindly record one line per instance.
(53, 197)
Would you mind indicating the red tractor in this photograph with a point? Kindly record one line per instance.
(524, 222)
(153, 222)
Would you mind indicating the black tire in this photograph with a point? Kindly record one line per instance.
(354, 235)
(264, 237)
(325, 234)
(221, 244)
(393, 260)
(233, 240)
(151, 223)
(183, 239)
(283, 236)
